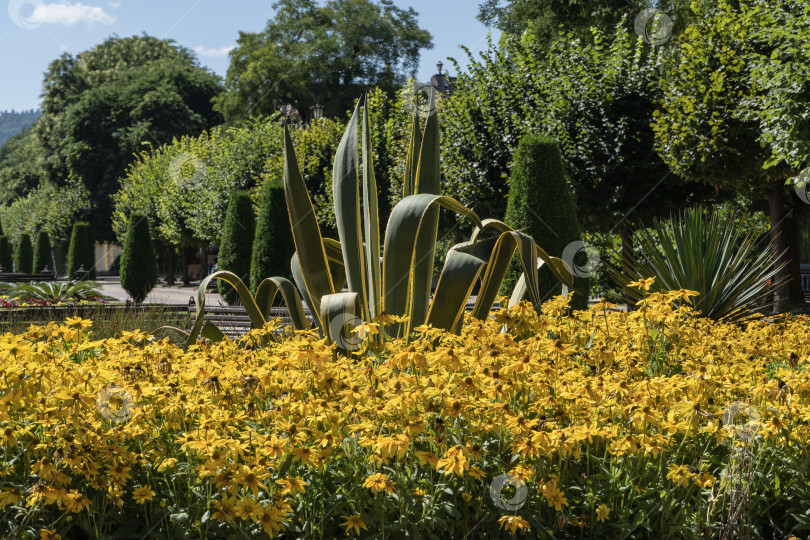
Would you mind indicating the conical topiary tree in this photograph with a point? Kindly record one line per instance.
(24, 255)
(6, 259)
(273, 245)
(81, 251)
(541, 203)
(42, 252)
(138, 260)
(236, 246)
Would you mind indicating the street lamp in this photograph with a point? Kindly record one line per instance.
(317, 111)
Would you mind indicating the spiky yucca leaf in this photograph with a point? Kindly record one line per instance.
(719, 258)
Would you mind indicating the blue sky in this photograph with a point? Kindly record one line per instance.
(34, 32)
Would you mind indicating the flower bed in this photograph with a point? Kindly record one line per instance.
(593, 424)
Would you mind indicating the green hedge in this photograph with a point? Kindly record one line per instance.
(82, 251)
(236, 246)
(24, 255)
(138, 260)
(273, 246)
(42, 252)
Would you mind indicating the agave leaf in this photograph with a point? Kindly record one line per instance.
(414, 147)
(399, 256)
(462, 269)
(373, 293)
(520, 287)
(257, 320)
(298, 277)
(338, 312)
(315, 276)
(334, 255)
(428, 181)
(266, 293)
(346, 192)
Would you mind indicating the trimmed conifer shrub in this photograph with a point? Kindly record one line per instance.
(236, 245)
(82, 251)
(138, 261)
(6, 259)
(24, 255)
(541, 203)
(273, 245)
(42, 252)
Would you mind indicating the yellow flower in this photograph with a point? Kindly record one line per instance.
(643, 283)
(49, 534)
(680, 475)
(513, 524)
(292, 485)
(602, 513)
(379, 482)
(142, 494)
(354, 522)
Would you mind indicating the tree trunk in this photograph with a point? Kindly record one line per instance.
(170, 264)
(184, 262)
(792, 225)
(627, 258)
(779, 234)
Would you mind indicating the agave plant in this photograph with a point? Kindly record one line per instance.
(720, 258)
(390, 280)
(56, 291)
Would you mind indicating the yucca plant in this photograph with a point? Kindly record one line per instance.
(391, 279)
(720, 258)
(56, 291)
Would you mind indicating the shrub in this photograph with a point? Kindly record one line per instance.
(138, 260)
(6, 259)
(24, 255)
(42, 252)
(237, 242)
(718, 256)
(540, 201)
(81, 251)
(273, 245)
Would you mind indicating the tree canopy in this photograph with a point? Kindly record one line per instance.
(100, 106)
(330, 54)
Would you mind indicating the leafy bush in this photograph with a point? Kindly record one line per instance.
(540, 202)
(56, 291)
(82, 251)
(273, 244)
(42, 252)
(721, 257)
(24, 255)
(6, 259)
(236, 245)
(138, 260)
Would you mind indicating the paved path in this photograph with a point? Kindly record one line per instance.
(162, 294)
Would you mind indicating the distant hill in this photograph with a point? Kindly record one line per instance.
(13, 122)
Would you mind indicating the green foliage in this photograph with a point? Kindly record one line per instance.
(718, 256)
(321, 53)
(13, 123)
(42, 252)
(22, 166)
(82, 251)
(56, 291)
(6, 256)
(596, 99)
(102, 105)
(273, 244)
(545, 19)
(183, 187)
(24, 255)
(138, 260)
(237, 242)
(541, 205)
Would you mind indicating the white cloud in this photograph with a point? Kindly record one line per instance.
(213, 52)
(70, 14)
(115, 4)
